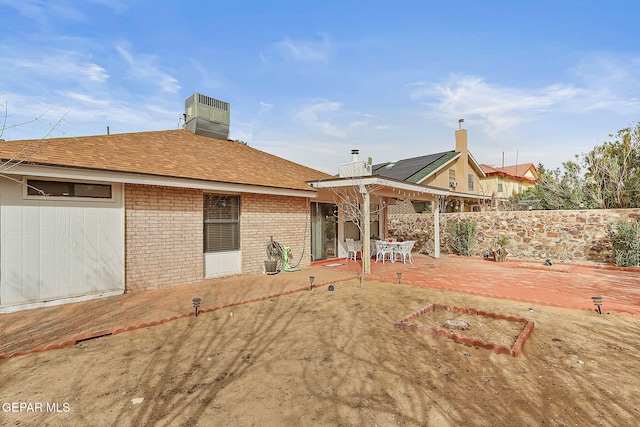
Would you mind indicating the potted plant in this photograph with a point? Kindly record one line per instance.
(499, 248)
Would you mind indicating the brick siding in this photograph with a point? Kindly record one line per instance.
(284, 218)
(163, 237)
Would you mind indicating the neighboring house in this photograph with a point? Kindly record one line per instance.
(455, 171)
(87, 217)
(505, 182)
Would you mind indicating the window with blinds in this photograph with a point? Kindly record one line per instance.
(221, 222)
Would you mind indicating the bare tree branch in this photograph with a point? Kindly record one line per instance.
(28, 151)
(351, 203)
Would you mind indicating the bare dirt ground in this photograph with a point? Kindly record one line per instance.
(334, 359)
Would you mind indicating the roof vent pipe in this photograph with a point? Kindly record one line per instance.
(354, 155)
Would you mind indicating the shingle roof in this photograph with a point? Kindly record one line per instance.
(170, 153)
(415, 168)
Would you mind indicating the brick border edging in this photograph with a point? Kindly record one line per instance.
(514, 351)
(119, 330)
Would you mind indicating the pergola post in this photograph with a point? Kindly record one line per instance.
(366, 222)
(436, 228)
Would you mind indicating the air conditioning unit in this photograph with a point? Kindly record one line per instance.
(453, 184)
(207, 116)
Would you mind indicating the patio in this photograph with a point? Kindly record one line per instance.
(560, 285)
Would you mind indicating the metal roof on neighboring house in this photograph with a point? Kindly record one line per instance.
(169, 153)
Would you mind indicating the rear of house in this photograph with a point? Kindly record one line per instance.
(89, 217)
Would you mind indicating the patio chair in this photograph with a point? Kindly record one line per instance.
(353, 248)
(404, 250)
(384, 251)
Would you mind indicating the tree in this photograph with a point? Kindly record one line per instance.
(613, 170)
(354, 203)
(28, 151)
(608, 177)
(564, 188)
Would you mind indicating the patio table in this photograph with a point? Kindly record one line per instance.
(396, 249)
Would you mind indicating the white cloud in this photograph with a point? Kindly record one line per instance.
(497, 108)
(265, 107)
(46, 11)
(613, 82)
(599, 83)
(115, 5)
(144, 68)
(330, 118)
(85, 99)
(304, 50)
(64, 65)
(320, 116)
(31, 9)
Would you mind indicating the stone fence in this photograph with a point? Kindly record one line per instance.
(580, 235)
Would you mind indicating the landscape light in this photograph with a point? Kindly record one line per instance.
(196, 304)
(311, 279)
(399, 274)
(597, 301)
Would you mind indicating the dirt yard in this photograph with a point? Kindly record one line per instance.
(336, 358)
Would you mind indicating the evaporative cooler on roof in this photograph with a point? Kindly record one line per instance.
(207, 116)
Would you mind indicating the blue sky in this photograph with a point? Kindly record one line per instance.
(537, 81)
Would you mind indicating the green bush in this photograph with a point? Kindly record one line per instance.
(462, 237)
(500, 242)
(625, 237)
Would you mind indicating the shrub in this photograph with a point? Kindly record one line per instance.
(625, 237)
(462, 237)
(500, 242)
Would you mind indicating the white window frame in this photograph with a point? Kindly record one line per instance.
(224, 221)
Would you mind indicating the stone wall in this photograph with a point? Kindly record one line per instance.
(580, 235)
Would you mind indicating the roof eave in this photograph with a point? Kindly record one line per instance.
(47, 171)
